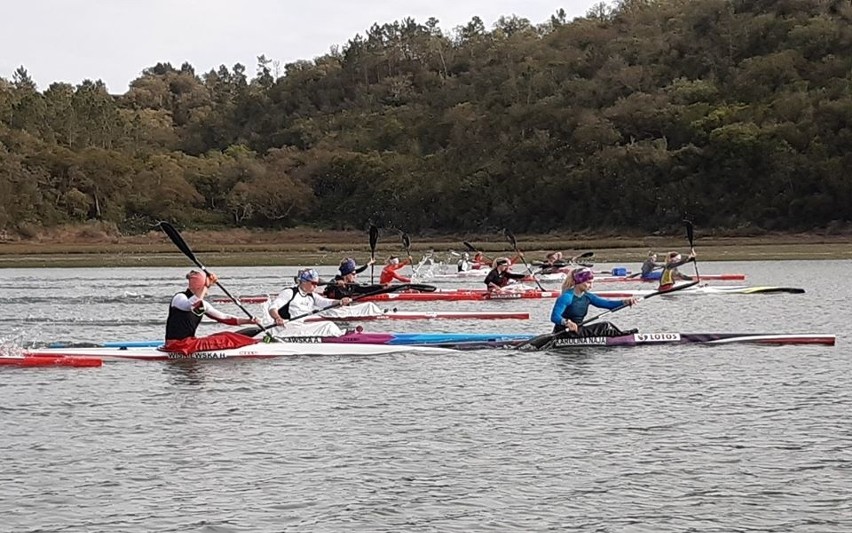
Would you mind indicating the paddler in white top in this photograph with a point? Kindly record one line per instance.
(302, 300)
(185, 313)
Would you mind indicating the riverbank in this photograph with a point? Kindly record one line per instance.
(314, 247)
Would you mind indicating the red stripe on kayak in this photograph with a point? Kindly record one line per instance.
(50, 360)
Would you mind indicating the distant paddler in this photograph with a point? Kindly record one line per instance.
(650, 268)
(390, 272)
(499, 276)
(571, 307)
(670, 272)
(345, 284)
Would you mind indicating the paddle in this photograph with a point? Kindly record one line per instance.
(374, 238)
(691, 237)
(475, 250)
(514, 243)
(639, 299)
(406, 243)
(176, 238)
(252, 331)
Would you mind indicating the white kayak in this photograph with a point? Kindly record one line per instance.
(254, 351)
(700, 290)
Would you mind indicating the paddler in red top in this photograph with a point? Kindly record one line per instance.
(389, 273)
(185, 313)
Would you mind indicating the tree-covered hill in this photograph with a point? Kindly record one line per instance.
(737, 113)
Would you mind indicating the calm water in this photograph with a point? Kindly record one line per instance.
(709, 439)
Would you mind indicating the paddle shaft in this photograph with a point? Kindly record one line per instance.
(645, 297)
(514, 243)
(176, 238)
(374, 239)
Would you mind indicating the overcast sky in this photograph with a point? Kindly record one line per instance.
(113, 40)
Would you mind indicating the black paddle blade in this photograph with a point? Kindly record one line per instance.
(406, 242)
(374, 237)
(690, 235)
(510, 238)
(585, 255)
(469, 246)
(176, 238)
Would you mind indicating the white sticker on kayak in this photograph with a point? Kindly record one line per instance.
(657, 337)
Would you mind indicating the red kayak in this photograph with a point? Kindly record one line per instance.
(50, 360)
(448, 295)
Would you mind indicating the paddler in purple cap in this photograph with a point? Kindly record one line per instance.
(571, 308)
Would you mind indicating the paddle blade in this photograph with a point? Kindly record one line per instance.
(176, 238)
(584, 255)
(690, 235)
(511, 238)
(374, 238)
(406, 242)
(470, 247)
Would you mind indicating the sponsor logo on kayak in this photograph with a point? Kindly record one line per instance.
(656, 337)
(300, 339)
(505, 295)
(199, 355)
(580, 341)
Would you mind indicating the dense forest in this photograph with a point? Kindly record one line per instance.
(735, 113)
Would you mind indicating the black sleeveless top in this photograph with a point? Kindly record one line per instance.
(182, 324)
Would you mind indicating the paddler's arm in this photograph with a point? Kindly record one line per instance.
(562, 303)
(224, 318)
(607, 303)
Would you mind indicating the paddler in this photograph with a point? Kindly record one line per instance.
(185, 313)
(302, 300)
(571, 307)
(650, 267)
(670, 272)
(552, 264)
(345, 284)
(389, 273)
(499, 276)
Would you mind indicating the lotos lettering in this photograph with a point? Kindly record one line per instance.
(657, 337)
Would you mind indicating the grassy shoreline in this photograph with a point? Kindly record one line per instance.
(240, 248)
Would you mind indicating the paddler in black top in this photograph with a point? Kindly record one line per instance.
(499, 276)
(345, 284)
(185, 313)
(670, 272)
(650, 266)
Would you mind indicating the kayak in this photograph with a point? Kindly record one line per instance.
(389, 343)
(699, 290)
(254, 351)
(549, 342)
(372, 312)
(624, 279)
(445, 340)
(443, 295)
(450, 295)
(50, 360)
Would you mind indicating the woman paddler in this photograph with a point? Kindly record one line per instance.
(499, 276)
(670, 272)
(345, 284)
(186, 310)
(571, 307)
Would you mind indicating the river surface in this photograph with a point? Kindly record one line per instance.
(732, 438)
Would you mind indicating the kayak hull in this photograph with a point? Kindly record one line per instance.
(419, 343)
(482, 295)
(645, 339)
